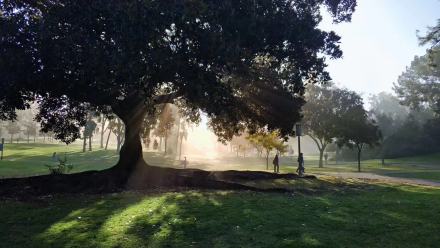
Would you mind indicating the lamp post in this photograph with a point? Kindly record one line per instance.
(298, 132)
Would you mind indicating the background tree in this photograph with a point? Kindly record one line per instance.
(390, 116)
(419, 85)
(73, 56)
(117, 127)
(419, 88)
(355, 128)
(13, 128)
(432, 37)
(102, 119)
(320, 116)
(239, 144)
(88, 132)
(269, 141)
(31, 129)
(165, 124)
(183, 135)
(150, 122)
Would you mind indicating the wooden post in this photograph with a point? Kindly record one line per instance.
(2, 148)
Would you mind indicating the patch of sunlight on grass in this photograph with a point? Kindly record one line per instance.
(397, 216)
(228, 219)
(308, 240)
(429, 190)
(149, 211)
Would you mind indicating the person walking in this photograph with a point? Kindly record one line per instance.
(276, 165)
(185, 163)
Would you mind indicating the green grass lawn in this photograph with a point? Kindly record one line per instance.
(24, 159)
(321, 213)
(426, 159)
(370, 216)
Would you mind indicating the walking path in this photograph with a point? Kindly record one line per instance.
(365, 175)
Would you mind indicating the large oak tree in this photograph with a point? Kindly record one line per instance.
(126, 57)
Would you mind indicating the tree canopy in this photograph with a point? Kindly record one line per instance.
(239, 61)
(320, 116)
(419, 86)
(268, 141)
(356, 129)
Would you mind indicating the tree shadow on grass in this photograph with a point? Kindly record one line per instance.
(248, 219)
(64, 221)
(383, 217)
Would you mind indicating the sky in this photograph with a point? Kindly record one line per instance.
(380, 42)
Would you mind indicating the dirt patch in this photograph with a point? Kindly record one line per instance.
(143, 178)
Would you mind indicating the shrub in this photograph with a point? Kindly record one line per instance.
(62, 167)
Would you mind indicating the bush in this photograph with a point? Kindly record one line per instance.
(61, 168)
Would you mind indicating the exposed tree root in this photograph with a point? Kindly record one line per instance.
(142, 178)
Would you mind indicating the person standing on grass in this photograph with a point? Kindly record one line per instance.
(184, 163)
(276, 165)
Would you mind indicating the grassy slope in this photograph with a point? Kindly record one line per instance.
(30, 159)
(375, 216)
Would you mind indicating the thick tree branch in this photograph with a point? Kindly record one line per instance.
(316, 141)
(166, 98)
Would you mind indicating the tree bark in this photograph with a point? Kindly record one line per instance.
(267, 159)
(180, 147)
(321, 155)
(90, 143)
(103, 120)
(166, 141)
(359, 158)
(132, 114)
(108, 138)
(118, 143)
(84, 142)
(321, 147)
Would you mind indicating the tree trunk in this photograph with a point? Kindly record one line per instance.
(84, 143)
(118, 143)
(130, 156)
(359, 160)
(267, 160)
(108, 138)
(336, 155)
(180, 148)
(321, 155)
(103, 120)
(178, 135)
(90, 143)
(160, 144)
(165, 141)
